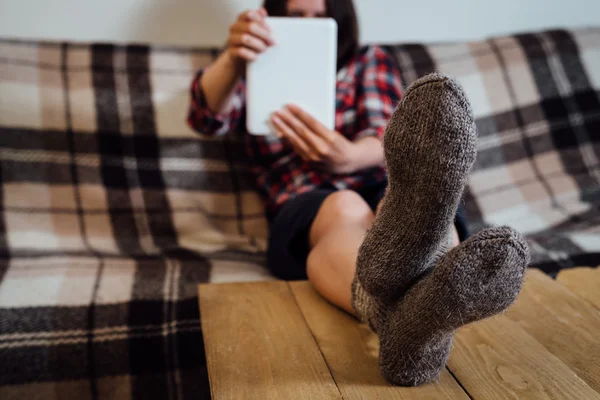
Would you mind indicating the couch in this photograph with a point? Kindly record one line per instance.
(113, 210)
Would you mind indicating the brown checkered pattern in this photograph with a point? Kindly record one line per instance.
(112, 209)
(536, 100)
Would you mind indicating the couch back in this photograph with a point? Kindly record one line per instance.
(536, 100)
(95, 155)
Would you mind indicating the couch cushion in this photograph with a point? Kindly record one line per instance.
(96, 157)
(536, 100)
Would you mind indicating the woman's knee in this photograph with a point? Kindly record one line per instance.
(346, 205)
(340, 208)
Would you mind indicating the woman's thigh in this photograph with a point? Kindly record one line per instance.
(288, 245)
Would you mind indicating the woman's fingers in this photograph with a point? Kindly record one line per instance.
(252, 15)
(254, 24)
(259, 17)
(312, 124)
(249, 35)
(318, 147)
(260, 30)
(247, 40)
(284, 130)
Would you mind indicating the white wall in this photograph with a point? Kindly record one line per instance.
(204, 22)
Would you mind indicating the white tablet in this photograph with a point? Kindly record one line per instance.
(300, 68)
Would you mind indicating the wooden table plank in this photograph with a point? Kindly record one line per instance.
(351, 350)
(496, 359)
(562, 322)
(258, 345)
(584, 282)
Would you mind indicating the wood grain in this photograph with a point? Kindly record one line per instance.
(258, 345)
(565, 324)
(496, 359)
(584, 282)
(351, 350)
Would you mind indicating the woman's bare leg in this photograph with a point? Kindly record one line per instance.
(335, 237)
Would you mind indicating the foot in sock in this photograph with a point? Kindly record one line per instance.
(430, 146)
(479, 278)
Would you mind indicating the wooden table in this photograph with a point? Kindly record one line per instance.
(278, 340)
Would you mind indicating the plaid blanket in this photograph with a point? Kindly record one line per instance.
(112, 210)
(536, 100)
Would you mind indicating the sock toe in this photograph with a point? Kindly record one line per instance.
(493, 266)
(479, 278)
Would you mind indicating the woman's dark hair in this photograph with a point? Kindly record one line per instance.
(342, 11)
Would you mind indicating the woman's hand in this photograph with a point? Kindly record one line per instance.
(313, 141)
(248, 37)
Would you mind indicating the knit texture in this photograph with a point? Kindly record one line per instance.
(479, 278)
(430, 147)
(370, 309)
(408, 288)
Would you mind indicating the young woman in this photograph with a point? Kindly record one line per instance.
(323, 187)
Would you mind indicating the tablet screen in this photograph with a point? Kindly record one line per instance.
(300, 68)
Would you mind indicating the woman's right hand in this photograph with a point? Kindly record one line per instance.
(248, 37)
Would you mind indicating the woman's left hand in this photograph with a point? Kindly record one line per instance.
(313, 141)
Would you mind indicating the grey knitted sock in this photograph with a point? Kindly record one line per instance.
(475, 280)
(430, 146)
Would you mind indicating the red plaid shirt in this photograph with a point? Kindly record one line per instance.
(368, 89)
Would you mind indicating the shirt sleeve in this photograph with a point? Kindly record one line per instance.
(203, 120)
(381, 91)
